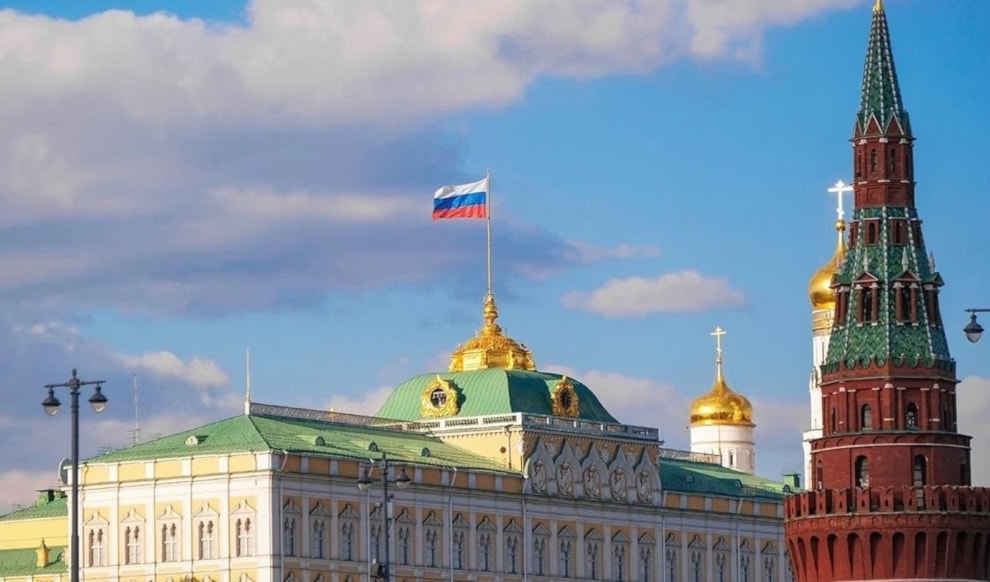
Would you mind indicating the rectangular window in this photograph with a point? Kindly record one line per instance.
(170, 543)
(132, 543)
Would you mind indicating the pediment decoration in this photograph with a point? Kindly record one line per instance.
(432, 520)
(132, 517)
(242, 508)
(564, 399)
(440, 399)
(348, 513)
(672, 541)
(697, 543)
(593, 534)
(319, 510)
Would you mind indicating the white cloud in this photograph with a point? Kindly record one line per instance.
(197, 371)
(973, 405)
(671, 292)
(366, 405)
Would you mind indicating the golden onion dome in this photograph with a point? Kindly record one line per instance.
(820, 287)
(721, 405)
(491, 348)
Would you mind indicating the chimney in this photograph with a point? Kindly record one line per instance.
(43, 554)
(45, 496)
(792, 480)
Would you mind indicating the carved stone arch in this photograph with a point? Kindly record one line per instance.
(567, 471)
(621, 476)
(746, 547)
(432, 520)
(566, 532)
(646, 540)
(594, 473)
(541, 530)
(290, 507)
(620, 537)
(769, 548)
(647, 479)
(460, 523)
(512, 527)
(405, 518)
(697, 543)
(672, 540)
(539, 468)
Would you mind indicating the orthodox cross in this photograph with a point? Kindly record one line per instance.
(839, 189)
(718, 333)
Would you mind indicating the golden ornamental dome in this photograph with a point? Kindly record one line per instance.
(721, 405)
(491, 348)
(820, 288)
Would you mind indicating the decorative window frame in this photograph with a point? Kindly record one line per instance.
(405, 547)
(206, 527)
(721, 560)
(459, 551)
(290, 529)
(647, 547)
(697, 552)
(512, 551)
(432, 544)
(541, 550)
(347, 528)
(620, 557)
(96, 537)
(671, 556)
(593, 542)
(566, 544)
(320, 540)
(243, 524)
(133, 532)
(486, 545)
(169, 524)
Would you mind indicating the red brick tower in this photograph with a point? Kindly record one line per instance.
(890, 497)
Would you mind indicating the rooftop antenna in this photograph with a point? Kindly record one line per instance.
(247, 380)
(136, 431)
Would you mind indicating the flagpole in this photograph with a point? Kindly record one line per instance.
(488, 213)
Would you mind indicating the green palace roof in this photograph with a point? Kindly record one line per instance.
(24, 562)
(311, 432)
(493, 391)
(43, 509)
(686, 476)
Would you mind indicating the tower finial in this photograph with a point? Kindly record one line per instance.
(878, 7)
(718, 333)
(839, 190)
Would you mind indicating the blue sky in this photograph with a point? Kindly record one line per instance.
(186, 179)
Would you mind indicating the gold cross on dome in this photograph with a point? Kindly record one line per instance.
(718, 333)
(839, 189)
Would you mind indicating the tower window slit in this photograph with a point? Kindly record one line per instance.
(866, 417)
(873, 161)
(862, 472)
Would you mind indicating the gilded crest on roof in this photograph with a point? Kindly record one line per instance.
(439, 399)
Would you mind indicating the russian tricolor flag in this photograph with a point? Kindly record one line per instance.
(462, 201)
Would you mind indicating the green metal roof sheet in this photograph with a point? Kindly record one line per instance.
(58, 507)
(261, 433)
(493, 391)
(24, 562)
(685, 476)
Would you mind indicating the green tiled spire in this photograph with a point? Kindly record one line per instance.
(858, 344)
(881, 96)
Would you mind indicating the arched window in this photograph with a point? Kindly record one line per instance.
(832, 421)
(820, 476)
(891, 162)
(862, 472)
(871, 232)
(919, 478)
(867, 307)
(911, 416)
(873, 161)
(866, 417)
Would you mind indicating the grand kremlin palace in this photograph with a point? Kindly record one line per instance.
(513, 474)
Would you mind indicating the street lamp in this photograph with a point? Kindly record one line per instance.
(973, 329)
(51, 404)
(380, 570)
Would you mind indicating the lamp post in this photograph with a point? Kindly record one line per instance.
(380, 570)
(51, 404)
(973, 329)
